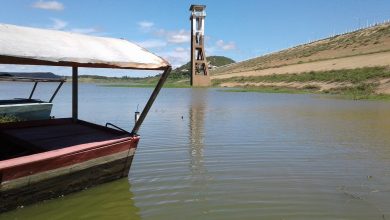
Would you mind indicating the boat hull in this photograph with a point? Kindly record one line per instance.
(27, 110)
(29, 179)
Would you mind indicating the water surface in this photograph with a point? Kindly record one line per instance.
(206, 154)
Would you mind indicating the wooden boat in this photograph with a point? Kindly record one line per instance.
(28, 108)
(43, 159)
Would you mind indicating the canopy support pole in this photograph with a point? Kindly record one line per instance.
(149, 104)
(55, 93)
(74, 93)
(33, 90)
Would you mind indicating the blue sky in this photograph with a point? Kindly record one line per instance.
(239, 29)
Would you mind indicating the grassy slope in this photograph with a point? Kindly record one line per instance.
(362, 92)
(358, 83)
(346, 75)
(366, 41)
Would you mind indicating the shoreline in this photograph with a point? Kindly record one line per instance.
(271, 89)
(286, 90)
(369, 83)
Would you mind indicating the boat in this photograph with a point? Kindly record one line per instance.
(27, 109)
(43, 159)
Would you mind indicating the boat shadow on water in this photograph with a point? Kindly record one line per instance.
(112, 200)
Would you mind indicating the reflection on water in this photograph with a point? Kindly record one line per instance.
(206, 154)
(196, 130)
(197, 110)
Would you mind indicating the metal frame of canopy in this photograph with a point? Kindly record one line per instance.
(35, 81)
(31, 46)
(144, 112)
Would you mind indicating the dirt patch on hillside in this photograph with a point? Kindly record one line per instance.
(384, 86)
(371, 60)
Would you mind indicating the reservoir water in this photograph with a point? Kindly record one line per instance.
(208, 154)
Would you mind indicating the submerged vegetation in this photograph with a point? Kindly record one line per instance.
(9, 118)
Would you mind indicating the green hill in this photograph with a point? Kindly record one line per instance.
(219, 60)
(179, 77)
(183, 72)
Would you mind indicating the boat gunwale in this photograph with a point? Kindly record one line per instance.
(66, 151)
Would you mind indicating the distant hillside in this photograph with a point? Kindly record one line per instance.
(179, 77)
(355, 65)
(362, 42)
(219, 60)
(184, 70)
(31, 74)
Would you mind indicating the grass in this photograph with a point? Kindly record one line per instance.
(358, 75)
(268, 89)
(363, 83)
(360, 92)
(321, 59)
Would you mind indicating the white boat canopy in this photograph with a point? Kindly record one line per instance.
(33, 46)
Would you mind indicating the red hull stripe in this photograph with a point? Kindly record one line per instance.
(29, 165)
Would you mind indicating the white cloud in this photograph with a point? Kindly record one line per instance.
(177, 57)
(49, 5)
(226, 46)
(175, 37)
(62, 25)
(154, 43)
(211, 50)
(58, 24)
(145, 24)
(181, 49)
(179, 37)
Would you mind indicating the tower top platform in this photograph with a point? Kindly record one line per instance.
(197, 7)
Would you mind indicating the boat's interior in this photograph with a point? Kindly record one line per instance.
(31, 137)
